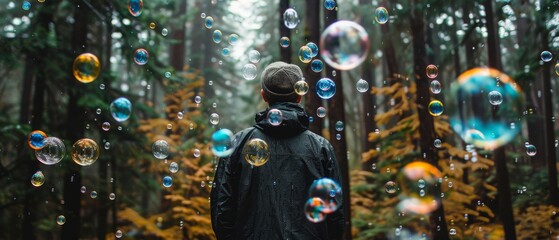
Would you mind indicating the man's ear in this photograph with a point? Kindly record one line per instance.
(263, 95)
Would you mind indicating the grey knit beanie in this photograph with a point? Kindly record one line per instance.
(277, 81)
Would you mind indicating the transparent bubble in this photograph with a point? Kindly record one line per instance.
(325, 88)
(546, 56)
(36, 139)
(106, 126)
(339, 126)
(233, 39)
(473, 117)
(209, 22)
(38, 179)
(222, 143)
(301, 87)
(85, 152)
(416, 179)
(173, 167)
(249, 71)
(168, 74)
(141, 56)
(321, 112)
(305, 54)
(52, 152)
(225, 51)
(344, 45)
(167, 181)
(452, 232)
(102, 86)
(160, 149)
(329, 4)
(432, 71)
(203, 15)
(216, 36)
(421, 183)
(253, 56)
(214, 118)
(180, 115)
(112, 196)
(275, 117)
(531, 150)
(196, 153)
(118, 234)
(495, 98)
(284, 42)
(557, 69)
(381, 15)
(314, 48)
(437, 143)
(152, 25)
(338, 136)
(390, 187)
(290, 18)
(435, 87)
(436, 108)
(107, 145)
(164, 32)
(135, 7)
(83, 189)
(93, 194)
(317, 65)
(86, 67)
(121, 109)
(362, 86)
(256, 152)
(60, 220)
(26, 5)
(329, 191)
(197, 99)
(313, 210)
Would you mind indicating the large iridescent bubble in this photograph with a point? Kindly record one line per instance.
(121, 109)
(344, 45)
(325, 88)
(222, 143)
(472, 114)
(416, 180)
(53, 151)
(256, 152)
(328, 191)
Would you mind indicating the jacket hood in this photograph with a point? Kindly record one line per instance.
(294, 121)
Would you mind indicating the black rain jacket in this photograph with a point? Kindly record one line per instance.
(267, 202)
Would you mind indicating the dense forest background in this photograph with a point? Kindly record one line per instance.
(408, 173)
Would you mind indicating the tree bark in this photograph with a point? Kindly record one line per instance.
(312, 34)
(503, 185)
(438, 224)
(178, 33)
(285, 53)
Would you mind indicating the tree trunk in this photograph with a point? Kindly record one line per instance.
(337, 113)
(285, 53)
(503, 186)
(426, 126)
(312, 34)
(196, 44)
(468, 43)
(178, 33)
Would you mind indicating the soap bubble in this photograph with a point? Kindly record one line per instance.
(284, 42)
(305, 54)
(209, 22)
(214, 118)
(253, 56)
(173, 167)
(329, 191)
(106, 126)
(222, 143)
(317, 65)
(168, 74)
(473, 117)
(344, 45)
(141, 56)
(216, 36)
(313, 210)
(531, 150)
(152, 25)
(290, 18)
(418, 205)
(362, 86)
(26, 5)
(112, 196)
(339, 126)
(381, 15)
(233, 39)
(36, 139)
(437, 143)
(86, 67)
(275, 117)
(432, 71)
(85, 152)
(325, 88)
(321, 112)
(436, 108)
(52, 152)
(314, 48)
(329, 4)
(557, 69)
(118, 233)
(249, 71)
(256, 152)
(495, 98)
(135, 7)
(197, 99)
(435, 87)
(196, 152)
(121, 109)
(160, 149)
(167, 181)
(390, 187)
(83, 189)
(60, 220)
(415, 179)
(301, 87)
(37, 179)
(546, 56)
(93, 194)
(180, 115)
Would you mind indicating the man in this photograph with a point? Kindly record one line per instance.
(267, 202)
